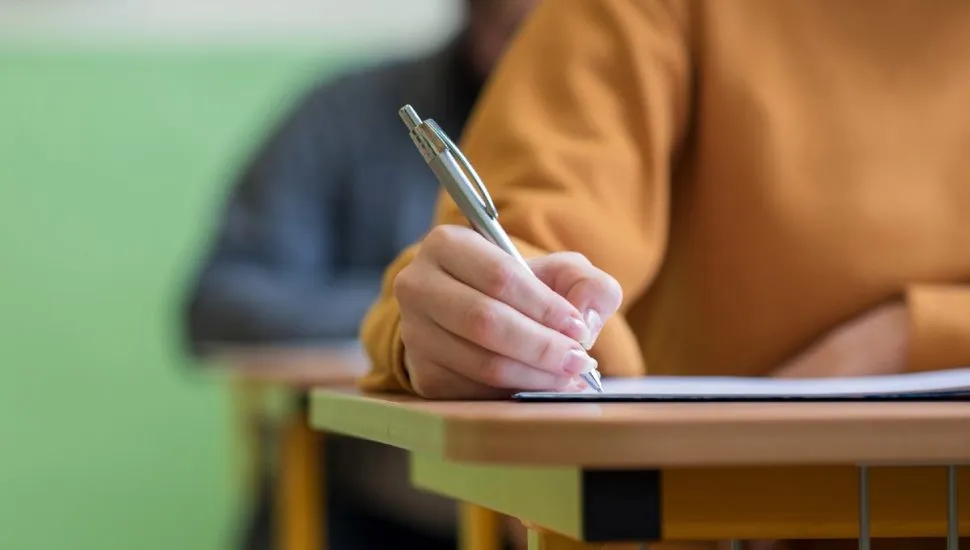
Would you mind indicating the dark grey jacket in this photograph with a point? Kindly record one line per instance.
(327, 202)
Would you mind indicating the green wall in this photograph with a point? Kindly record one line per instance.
(111, 164)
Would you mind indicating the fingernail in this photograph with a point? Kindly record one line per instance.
(578, 362)
(594, 323)
(577, 330)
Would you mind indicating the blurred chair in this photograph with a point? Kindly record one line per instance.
(480, 528)
(256, 378)
(299, 505)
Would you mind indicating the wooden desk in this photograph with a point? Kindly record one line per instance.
(299, 503)
(702, 471)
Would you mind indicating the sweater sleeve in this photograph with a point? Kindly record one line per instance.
(939, 326)
(574, 137)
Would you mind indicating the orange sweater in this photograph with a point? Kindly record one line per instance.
(752, 172)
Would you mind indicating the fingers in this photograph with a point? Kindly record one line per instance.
(476, 324)
(493, 272)
(472, 364)
(490, 324)
(590, 290)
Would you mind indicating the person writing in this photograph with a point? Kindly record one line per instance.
(747, 188)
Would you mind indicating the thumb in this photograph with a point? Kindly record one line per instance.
(589, 289)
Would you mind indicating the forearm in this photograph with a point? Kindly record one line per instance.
(929, 330)
(247, 305)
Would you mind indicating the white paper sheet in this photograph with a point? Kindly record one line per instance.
(946, 381)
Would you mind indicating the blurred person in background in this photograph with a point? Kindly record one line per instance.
(335, 193)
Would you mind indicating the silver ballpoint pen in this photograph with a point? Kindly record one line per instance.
(457, 176)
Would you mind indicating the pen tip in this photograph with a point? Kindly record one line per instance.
(593, 381)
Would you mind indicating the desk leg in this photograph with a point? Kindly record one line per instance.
(299, 506)
(953, 512)
(864, 542)
(480, 528)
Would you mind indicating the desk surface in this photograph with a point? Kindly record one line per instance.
(618, 435)
(296, 367)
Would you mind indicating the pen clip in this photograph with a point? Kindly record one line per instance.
(480, 189)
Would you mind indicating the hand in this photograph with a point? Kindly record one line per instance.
(872, 344)
(476, 324)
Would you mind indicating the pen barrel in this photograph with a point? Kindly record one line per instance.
(492, 231)
(447, 171)
(459, 179)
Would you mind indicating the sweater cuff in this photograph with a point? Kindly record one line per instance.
(939, 326)
(394, 377)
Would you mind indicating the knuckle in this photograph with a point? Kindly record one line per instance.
(550, 314)
(575, 266)
(550, 355)
(442, 237)
(576, 258)
(427, 386)
(613, 289)
(434, 391)
(482, 322)
(405, 284)
(499, 276)
(425, 380)
(494, 370)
